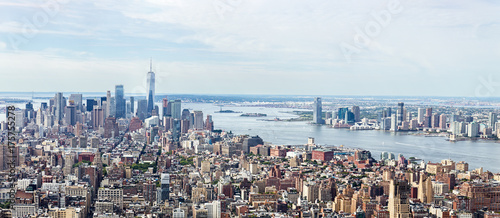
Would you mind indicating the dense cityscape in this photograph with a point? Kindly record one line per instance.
(128, 156)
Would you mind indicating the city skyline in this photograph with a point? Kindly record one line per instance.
(250, 46)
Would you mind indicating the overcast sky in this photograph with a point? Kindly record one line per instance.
(313, 47)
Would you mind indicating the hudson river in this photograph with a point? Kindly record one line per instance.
(477, 153)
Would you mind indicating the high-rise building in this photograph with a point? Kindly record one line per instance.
(398, 199)
(59, 107)
(185, 114)
(90, 104)
(428, 112)
(213, 209)
(355, 111)
(176, 109)
(111, 128)
(401, 112)
(435, 121)
(119, 101)
(317, 111)
(473, 129)
(97, 117)
(492, 119)
(165, 186)
(442, 121)
(198, 120)
(209, 124)
(150, 90)
(132, 106)
(70, 111)
(77, 99)
(142, 109)
(165, 107)
(394, 123)
(421, 115)
(108, 104)
(341, 113)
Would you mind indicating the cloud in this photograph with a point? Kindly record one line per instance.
(295, 42)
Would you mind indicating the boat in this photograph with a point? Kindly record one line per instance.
(228, 111)
(254, 115)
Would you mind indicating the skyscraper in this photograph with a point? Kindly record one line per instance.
(355, 111)
(317, 112)
(341, 113)
(77, 99)
(108, 103)
(421, 115)
(142, 109)
(119, 101)
(150, 89)
(164, 106)
(398, 199)
(59, 107)
(198, 120)
(164, 186)
(70, 111)
(492, 119)
(132, 106)
(176, 109)
(401, 112)
(90, 104)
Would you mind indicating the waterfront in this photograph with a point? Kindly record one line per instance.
(481, 153)
(477, 153)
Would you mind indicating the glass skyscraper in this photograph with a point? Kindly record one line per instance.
(119, 101)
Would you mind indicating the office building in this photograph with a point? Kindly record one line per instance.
(355, 110)
(198, 120)
(90, 104)
(165, 186)
(142, 109)
(341, 113)
(59, 104)
(473, 129)
(132, 106)
(77, 100)
(442, 122)
(119, 101)
(420, 115)
(176, 109)
(401, 112)
(492, 120)
(70, 111)
(394, 122)
(317, 111)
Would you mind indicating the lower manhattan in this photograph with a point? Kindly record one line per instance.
(238, 108)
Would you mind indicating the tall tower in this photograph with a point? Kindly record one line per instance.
(401, 112)
(59, 111)
(398, 199)
(119, 101)
(150, 88)
(317, 112)
(355, 111)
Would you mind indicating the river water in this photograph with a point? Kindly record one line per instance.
(481, 153)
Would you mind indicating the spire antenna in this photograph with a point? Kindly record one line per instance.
(151, 65)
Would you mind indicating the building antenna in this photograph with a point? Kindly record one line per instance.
(151, 64)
